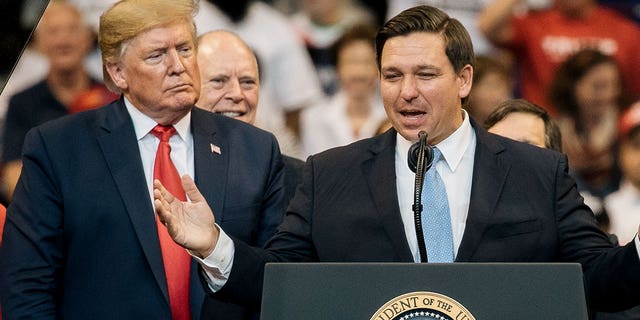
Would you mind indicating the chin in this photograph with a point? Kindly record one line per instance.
(409, 134)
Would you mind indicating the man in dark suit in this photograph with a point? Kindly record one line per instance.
(230, 86)
(81, 239)
(508, 201)
(230, 82)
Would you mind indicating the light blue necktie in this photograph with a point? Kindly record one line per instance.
(436, 220)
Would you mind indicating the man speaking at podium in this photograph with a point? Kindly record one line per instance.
(486, 198)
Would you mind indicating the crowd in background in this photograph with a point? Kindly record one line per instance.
(577, 59)
(317, 66)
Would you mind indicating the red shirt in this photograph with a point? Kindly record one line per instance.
(543, 39)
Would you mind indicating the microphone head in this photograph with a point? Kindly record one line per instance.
(412, 159)
(414, 153)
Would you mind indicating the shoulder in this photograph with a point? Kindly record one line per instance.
(31, 93)
(75, 126)
(354, 154)
(517, 155)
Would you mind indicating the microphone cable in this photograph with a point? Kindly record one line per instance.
(419, 159)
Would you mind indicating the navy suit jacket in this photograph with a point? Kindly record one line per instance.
(80, 240)
(524, 207)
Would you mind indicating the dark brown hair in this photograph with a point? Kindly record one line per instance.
(552, 137)
(458, 46)
(561, 92)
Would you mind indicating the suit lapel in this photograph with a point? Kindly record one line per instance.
(119, 146)
(379, 171)
(489, 176)
(211, 159)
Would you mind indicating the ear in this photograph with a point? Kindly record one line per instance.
(117, 74)
(465, 79)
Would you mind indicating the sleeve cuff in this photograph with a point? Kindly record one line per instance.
(217, 266)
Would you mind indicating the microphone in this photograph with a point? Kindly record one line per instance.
(419, 159)
(414, 153)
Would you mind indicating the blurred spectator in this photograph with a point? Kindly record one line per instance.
(523, 121)
(541, 40)
(586, 91)
(356, 111)
(321, 23)
(91, 11)
(492, 84)
(17, 20)
(289, 80)
(65, 40)
(623, 205)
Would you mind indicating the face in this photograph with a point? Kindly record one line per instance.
(420, 90)
(521, 126)
(158, 72)
(229, 77)
(357, 69)
(598, 89)
(487, 94)
(63, 38)
(630, 158)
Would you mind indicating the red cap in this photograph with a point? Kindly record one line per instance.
(630, 120)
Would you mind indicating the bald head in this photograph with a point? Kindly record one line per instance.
(63, 37)
(229, 74)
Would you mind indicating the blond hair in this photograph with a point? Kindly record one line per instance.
(128, 18)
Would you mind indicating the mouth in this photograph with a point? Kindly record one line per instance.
(231, 114)
(180, 87)
(412, 114)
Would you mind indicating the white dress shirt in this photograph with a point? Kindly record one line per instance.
(623, 208)
(458, 151)
(181, 144)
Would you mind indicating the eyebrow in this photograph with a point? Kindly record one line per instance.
(415, 68)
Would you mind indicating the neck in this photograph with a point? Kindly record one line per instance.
(358, 107)
(67, 84)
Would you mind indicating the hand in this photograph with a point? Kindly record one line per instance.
(190, 224)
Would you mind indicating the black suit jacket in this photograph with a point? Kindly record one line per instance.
(214, 309)
(80, 240)
(524, 207)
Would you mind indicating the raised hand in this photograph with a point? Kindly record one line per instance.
(190, 224)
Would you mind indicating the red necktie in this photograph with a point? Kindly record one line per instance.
(176, 259)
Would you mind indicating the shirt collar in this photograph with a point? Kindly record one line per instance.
(452, 148)
(143, 123)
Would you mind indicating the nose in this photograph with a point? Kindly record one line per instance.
(235, 91)
(409, 89)
(175, 63)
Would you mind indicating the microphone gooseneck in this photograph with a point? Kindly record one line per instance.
(419, 159)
